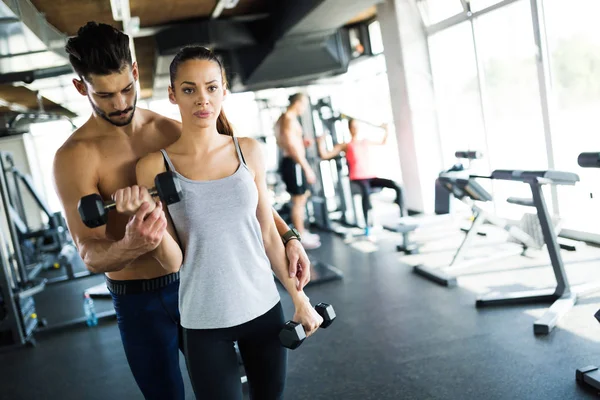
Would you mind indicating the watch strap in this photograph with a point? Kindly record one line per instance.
(289, 235)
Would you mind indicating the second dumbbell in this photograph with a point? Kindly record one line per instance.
(292, 335)
(94, 211)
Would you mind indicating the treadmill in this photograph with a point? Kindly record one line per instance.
(563, 297)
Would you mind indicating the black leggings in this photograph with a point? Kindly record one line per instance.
(213, 365)
(365, 186)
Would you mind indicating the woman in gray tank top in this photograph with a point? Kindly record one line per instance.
(229, 243)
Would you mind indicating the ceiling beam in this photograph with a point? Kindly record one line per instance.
(30, 76)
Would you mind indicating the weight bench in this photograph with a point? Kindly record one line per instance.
(471, 192)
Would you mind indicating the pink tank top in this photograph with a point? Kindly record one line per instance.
(357, 154)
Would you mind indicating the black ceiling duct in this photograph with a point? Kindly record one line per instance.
(301, 41)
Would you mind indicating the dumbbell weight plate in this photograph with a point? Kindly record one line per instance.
(326, 312)
(292, 335)
(91, 210)
(168, 187)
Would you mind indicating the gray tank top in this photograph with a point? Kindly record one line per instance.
(226, 277)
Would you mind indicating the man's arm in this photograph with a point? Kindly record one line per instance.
(75, 176)
(328, 155)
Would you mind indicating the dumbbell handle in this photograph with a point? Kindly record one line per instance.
(111, 204)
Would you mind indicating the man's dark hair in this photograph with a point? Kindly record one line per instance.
(296, 97)
(98, 49)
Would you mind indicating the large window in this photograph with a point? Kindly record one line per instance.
(511, 97)
(456, 88)
(511, 132)
(363, 93)
(573, 35)
(434, 11)
(46, 139)
(478, 5)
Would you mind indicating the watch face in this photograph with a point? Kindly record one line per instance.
(292, 233)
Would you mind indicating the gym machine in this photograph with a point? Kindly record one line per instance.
(18, 317)
(406, 225)
(333, 204)
(49, 247)
(337, 212)
(442, 195)
(590, 375)
(28, 258)
(471, 192)
(563, 297)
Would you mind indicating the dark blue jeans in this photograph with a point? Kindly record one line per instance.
(151, 335)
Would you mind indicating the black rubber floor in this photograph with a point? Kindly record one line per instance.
(397, 336)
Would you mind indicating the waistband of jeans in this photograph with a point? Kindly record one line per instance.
(136, 286)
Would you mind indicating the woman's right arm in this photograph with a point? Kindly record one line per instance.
(168, 253)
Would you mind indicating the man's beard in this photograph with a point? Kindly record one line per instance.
(115, 114)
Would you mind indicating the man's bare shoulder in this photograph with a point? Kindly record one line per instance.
(76, 161)
(81, 144)
(287, 116)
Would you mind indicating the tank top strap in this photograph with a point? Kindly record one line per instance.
(168, 163)
(239, 151)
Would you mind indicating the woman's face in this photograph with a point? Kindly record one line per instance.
(199, 92)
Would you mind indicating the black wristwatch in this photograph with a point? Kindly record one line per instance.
(291, 234)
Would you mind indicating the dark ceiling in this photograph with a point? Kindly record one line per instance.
(265, 43)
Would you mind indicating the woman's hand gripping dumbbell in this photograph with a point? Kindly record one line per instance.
(94, 211)
(293, 334)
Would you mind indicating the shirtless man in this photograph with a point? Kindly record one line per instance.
(100, 157)
(295, 170)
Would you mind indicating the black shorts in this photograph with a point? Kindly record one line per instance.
(293, 176)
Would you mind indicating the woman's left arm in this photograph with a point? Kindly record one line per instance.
(272, 241)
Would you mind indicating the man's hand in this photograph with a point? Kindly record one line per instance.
(299, 264)
(311, 178)
(128, 200)
(145, 229)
